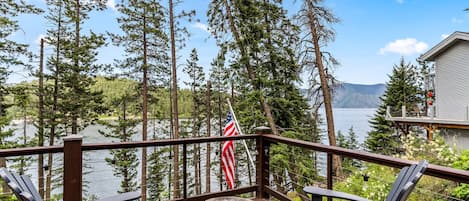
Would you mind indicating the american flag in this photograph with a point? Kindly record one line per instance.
(227, 155)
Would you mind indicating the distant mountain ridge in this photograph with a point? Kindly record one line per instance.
(348, 95)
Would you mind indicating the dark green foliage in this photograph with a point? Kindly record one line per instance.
(78, 67)
(462, 191)
(22, 100)
(197, 84)
(132, 23)
(402, 90)
(157, 172)
(264, 65)
(124, 161)
(299, 164)
(349, 141)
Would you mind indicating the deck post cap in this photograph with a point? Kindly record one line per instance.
(263, 130)
(73, 138)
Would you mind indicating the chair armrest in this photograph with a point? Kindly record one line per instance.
(124, 197)
(331, 193)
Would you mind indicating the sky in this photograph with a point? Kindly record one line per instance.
(372, 36)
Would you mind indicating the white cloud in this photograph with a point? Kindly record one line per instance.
(405, 46)
(456, 20)
(400, 1)
(443, 36)
(201, 26)
(38, 39)
(111, 4)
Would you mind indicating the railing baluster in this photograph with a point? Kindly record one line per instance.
(184, 169)
(329, 173)
(72, 168)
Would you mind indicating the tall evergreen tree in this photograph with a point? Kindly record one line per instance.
(218, 77)
(317, 20)
(73, 70)
(80, 52)
(401, 90)
(177, 35)
(145, 45)
(124, 161)
(240, 19)
(22, 101)
(56, 36)
(197, 83)
(264, 65)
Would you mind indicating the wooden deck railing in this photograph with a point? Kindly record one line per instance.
(73, 150)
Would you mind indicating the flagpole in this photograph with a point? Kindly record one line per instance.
(240, 132)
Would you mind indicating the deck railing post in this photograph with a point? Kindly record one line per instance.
(72, 180)
(262, 169)
(184, 170)
(329, 172)
(404, 112)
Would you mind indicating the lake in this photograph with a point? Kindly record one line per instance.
(102, 182)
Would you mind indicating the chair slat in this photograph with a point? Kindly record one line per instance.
(31, 188)
(398, 185)
(20, 181)
(399, 179)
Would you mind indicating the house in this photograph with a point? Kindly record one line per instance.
(451, 80)
(448, 92)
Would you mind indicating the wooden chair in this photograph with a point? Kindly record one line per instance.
(24, 189)
(402, 187)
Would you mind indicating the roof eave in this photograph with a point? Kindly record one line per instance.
(431, 54)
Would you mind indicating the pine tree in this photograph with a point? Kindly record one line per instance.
(240, 19)
(80, 53)
(77, 55)
(56, 36)
(317, 19)
(177, 35)
(197, 83)
(145, 45)
(401, 90)
(218, 77)
(264, 65)
(124, 161)
(349, 142)
(22, 101)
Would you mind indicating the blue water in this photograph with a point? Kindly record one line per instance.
(345, 118)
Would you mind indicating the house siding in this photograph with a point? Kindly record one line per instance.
(452, 82)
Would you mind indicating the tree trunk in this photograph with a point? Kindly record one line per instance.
(76, 64)
(125, 138)
(251, 73)
(220, 173)
(195, 130)
(22, 158)
(171, 134)
(175, 100)
(207, 158)
(54, 107)
(40, 163)
(144, 113)
(324, 85)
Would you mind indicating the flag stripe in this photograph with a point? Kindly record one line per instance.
(228, 154)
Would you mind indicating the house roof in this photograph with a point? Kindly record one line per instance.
(446, 43)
